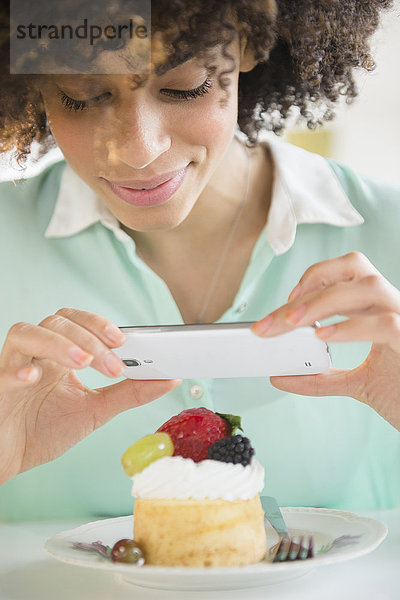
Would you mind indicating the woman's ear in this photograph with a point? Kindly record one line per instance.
(247, 60)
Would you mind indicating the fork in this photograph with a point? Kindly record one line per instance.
(287, 549)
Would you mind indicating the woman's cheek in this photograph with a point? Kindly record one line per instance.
(74, 139)
(211, 122)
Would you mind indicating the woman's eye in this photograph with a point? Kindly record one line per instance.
(72, 104)
(203, 89)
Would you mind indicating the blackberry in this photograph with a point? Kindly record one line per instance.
(234, 449)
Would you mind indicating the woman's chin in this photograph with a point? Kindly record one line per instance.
(154, 222)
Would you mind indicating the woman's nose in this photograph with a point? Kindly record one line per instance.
(141, 138)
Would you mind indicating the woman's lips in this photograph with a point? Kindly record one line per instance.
(151, 197)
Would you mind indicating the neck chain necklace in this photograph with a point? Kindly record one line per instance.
(228, 242)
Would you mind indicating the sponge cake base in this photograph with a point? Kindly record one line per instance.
(200, 533)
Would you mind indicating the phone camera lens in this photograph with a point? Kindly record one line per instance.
(131, 362)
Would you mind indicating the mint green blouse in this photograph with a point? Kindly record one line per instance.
(59, 246)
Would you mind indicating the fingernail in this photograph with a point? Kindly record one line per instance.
(294, 315)
(262, 326)
(295, 293)
(27, 374)
(325, 332)
(114, 334)
(80, 357)
(113, 364)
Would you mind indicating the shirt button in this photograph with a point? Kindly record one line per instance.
(196, 391)
(242, 307)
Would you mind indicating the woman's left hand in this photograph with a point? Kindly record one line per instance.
(349, 286)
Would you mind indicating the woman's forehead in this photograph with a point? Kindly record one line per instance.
(180, 65)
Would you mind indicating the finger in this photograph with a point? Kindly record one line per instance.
(379, 329)
(342, 298)
(116, 398)
(351, 266)
(101, 327)
(104, 360)
(335, 382)
(20, 378)
(25, 341)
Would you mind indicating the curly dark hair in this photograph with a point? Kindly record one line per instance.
(306, 52)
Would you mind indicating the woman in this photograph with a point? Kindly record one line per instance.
(226, 235)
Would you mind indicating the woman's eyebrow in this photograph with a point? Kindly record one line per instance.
(80, 78)
(172, 63)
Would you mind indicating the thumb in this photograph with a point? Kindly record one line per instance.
(114, 399)
(335, 382)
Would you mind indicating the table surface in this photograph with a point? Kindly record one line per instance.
(27, 572)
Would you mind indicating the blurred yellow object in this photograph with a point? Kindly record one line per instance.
(320, 141)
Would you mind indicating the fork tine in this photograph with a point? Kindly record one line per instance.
(288, 549)
(294, 550)
(283, 549)
(306, 550)
(300, 549)
(310, 552)
(303, 550)
(277, 555)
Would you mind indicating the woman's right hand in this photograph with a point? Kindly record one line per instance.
(44, 407)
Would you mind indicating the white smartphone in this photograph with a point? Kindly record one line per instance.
(219, 350)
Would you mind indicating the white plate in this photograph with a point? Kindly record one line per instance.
(324, 524)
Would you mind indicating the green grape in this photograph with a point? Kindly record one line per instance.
(145, 451)
(127, 551)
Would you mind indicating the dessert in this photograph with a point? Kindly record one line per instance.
(197, 493)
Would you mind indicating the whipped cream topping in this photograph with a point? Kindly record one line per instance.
(175, 477)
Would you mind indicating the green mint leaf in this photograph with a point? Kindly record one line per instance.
(234, 421)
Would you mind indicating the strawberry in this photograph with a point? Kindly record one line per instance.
(194, 430)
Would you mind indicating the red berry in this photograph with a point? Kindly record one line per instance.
(194, 430)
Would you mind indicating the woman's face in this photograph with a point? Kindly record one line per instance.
(130, 135)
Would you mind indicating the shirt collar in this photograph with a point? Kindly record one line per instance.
(78, 207)
(305, 190)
